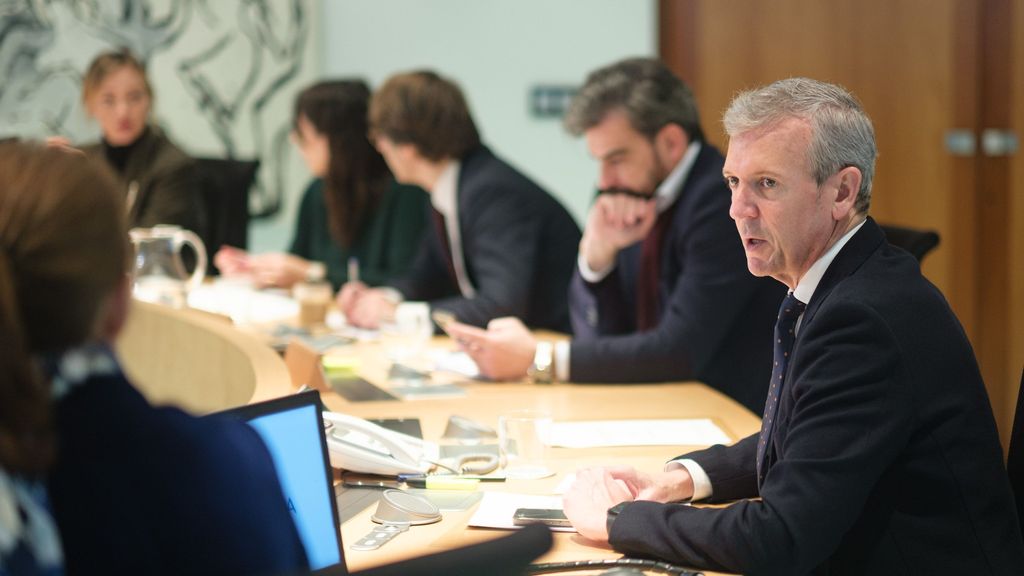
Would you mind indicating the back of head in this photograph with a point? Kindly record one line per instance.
(356, 170)
(337, 109)
(427, 111)
(63, 250)
(108, 62)
(650, 94)
(842, 134)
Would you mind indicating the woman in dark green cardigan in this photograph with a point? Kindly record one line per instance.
(353, 212)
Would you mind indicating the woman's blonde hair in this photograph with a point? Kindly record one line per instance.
(63, 250)
(107, 63)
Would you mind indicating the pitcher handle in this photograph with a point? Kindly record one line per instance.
(190, 238)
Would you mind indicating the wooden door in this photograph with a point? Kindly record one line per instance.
(1014, 320)
(916, 67)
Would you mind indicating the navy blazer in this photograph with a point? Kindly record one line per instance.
(144, 490)
(519, 246)
(886, 456)
(716, 319)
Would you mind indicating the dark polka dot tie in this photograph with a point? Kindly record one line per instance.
(785, 336)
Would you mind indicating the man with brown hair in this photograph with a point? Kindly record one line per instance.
(501, 245)
(660, 290)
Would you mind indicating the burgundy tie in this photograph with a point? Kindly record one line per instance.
(442, 233)
(785, 337)
(648, 305)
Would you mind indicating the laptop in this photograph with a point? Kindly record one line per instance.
(293, 431)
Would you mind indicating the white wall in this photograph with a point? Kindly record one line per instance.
(497, 50)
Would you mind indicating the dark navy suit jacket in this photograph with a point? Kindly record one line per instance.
(886, 456)
(519, 246)
(716, 320)
(145, 490)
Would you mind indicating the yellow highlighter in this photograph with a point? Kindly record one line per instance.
(337, 365)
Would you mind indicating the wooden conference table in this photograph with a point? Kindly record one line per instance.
(227, 367)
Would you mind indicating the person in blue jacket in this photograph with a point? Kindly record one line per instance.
(134, 488)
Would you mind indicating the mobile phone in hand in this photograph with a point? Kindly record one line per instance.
(546, 516)
(442, 319)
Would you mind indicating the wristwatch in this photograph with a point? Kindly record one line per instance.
(542, 371)
(613, 513)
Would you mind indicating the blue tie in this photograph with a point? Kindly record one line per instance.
(785, 336)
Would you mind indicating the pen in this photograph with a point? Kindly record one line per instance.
(370, 483)
(442, 483)
(353, 269)
(480, 477)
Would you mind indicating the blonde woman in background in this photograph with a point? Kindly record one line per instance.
(158, 179)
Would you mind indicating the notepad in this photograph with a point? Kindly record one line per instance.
(600, 433)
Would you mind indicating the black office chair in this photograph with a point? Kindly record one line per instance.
(1015, 459)
(917, 242)
(224, 185)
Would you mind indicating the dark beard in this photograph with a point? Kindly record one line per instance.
(626, 192)
(656, 171)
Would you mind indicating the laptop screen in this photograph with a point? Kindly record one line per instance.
(292, 428)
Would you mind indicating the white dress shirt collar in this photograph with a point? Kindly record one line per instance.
(444, 196)
(672, 185)
(806, 286)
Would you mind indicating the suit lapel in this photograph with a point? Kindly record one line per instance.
(859, 248)
(850, 258)
(709, 160)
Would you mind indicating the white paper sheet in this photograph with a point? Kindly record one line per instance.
(243, 303)
(496, 509)
(414, 392)
(454, 361)
(590, 434)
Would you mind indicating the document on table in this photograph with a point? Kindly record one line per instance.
(421, 391)
(455, 361)
(597, 433)
(497, 508)
(243, 303)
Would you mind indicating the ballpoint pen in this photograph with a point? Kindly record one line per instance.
(438, 482)
(478, 477)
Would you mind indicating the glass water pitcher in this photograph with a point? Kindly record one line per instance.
(160, 273)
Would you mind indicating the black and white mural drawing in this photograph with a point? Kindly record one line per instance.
(224, 72)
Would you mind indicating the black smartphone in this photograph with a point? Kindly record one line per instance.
(546, 516)
(442, 318)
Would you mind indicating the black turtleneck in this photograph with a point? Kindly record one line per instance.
(118, 155)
